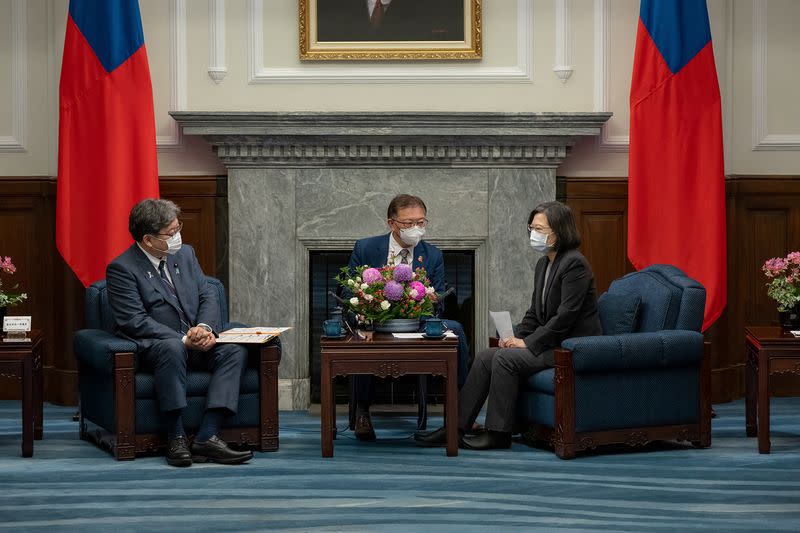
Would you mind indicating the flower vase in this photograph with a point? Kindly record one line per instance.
(398, 325)
(790, 319)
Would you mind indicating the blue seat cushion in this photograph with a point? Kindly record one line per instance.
(197, 382)
(618, 312)
(541, 382)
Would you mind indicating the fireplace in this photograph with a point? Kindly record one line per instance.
(303, 183)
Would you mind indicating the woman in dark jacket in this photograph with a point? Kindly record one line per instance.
(564, 305)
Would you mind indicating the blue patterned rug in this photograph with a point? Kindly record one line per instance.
(391, 485)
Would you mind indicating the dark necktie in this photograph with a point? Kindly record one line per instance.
(377, 14)
(404, 256)
(171, 289)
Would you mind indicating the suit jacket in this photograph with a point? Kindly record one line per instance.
(404, 20)
(570, 303)
(374, 251)
(142, 306)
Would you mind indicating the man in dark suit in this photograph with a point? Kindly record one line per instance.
(390, 20)
(161, 300)
(406, 217)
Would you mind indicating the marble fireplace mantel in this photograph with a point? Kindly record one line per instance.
(299, 182)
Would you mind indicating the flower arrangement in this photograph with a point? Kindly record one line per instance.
(9, 299)
(381, 294)
(784, 280)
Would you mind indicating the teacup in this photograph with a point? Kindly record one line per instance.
(434, 327)
(332, 328)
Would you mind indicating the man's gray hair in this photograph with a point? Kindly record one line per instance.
(150, 216)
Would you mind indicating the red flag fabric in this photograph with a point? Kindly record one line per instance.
(676, 184)
(107, 158)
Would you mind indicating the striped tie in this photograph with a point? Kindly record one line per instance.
(171, 289)
(404, 253)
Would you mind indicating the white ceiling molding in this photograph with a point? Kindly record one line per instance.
(217, 64)
(177, 73)
(19, 79)
(762, 139)
(563, 67)
(383, 73)
(602, 65)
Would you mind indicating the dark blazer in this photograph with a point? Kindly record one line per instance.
(374, 251)
(404, 20)
(142, 307)
(570, 304)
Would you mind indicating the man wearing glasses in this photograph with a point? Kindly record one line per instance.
(160, 299)
(406, 217)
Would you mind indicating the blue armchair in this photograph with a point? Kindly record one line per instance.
(646, 378)
(119, 410)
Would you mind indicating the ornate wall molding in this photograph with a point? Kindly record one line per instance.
(602, 75)
(177, 73)
(412, 73)
(217, 64)
(16, 141)
(563, 67)
(762, 139)
(403, 139)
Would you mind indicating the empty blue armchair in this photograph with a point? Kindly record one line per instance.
(647, 378)
(118, 406)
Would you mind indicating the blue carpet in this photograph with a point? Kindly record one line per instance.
(70, 485)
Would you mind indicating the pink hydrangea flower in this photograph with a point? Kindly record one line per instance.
(794, 257)
(393, 291)
(403, 272)
(420, 288)
(371, 275)
(7, 266)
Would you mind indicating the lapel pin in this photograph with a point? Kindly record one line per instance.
(149, 275)
(177, 270)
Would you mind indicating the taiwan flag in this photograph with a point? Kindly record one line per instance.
(676, 184)
(106, 137)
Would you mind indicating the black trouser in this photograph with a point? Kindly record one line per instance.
(496, 374)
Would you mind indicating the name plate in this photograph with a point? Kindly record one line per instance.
(16, 324)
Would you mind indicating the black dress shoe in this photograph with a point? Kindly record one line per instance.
(435, 438)
(363, 429)
(178, 452)
(216, 450)
(488, 440)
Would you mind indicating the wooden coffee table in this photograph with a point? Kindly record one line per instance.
(23, 361)
(387, 356)
(770, 350)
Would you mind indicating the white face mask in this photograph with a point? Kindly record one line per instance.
(173, 243)
(539, 242)
(411, 236)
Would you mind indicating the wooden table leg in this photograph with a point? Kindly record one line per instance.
(751, 391)
(38, 404)
(327, 408)
(451, 408)
(763, 402)
(27, 407)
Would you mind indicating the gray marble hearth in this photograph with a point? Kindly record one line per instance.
(299, 182)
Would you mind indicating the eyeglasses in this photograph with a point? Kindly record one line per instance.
(172, 232)
(405, 224)
(538, 229)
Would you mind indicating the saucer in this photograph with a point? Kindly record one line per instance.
(437, 337)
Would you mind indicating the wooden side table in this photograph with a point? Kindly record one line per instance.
(386, 356)
(770, 350)
(23, 361)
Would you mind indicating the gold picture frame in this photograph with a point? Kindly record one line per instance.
(344, 30)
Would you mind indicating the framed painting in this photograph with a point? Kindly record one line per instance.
(377, 30)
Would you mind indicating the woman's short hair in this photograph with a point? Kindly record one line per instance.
(401, 201)
(150, 216)
(562, 222)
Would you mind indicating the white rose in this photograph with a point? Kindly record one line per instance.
(364, 286)
(351, 282)
(430, 290)
(368, 297)
(358, 279)
(353, 301)
(385, 305)
(413, 293)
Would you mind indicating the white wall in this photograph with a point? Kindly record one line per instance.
(257, 42)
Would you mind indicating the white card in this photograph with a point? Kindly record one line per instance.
(16, 323)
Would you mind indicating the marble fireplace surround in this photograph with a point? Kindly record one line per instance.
(299, 182)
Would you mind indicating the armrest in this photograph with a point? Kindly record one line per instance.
(657, 349)
(494, 342)
(95, 348)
